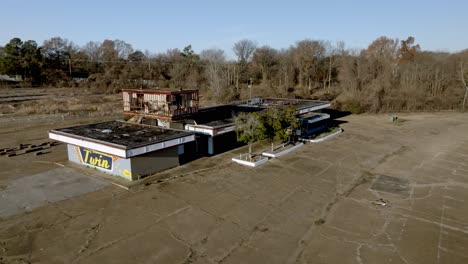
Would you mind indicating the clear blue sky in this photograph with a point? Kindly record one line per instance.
(159, 25)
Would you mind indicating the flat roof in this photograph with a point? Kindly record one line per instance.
(121, 138)
(299, 104)
(313, 117)
(127, 135)
(222, 115)
(218, 119)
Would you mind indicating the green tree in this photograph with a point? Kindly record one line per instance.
(189, 54)
(32, 62)
(272, 123)
(190, 72)
(279, 123)
(289, 121)
(136, 56)
(249, 128)
(22, 58)
(11, 59)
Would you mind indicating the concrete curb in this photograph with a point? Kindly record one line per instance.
(279, 154)
(324, 138)
(249, 163)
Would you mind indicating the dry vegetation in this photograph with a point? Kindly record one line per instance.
(71, 106)
(62, 101)
(389, 75)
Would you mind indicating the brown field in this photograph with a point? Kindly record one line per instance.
(81, 102)
(380, 192)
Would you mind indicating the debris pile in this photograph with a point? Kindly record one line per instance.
(380, 202)
(28, 148)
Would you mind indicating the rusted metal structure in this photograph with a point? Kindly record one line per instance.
(161, 105)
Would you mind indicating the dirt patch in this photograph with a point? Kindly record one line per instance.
(390, 184)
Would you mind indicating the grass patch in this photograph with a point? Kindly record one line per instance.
(76, 106)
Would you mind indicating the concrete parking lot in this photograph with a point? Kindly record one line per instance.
(381, 192)
(27, 193)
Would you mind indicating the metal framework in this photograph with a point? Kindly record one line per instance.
(165, 105)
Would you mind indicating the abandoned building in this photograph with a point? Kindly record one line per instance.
(170, 129)
(164, 106)
(124, 149)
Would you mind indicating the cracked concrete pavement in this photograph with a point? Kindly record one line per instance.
(27, 193)
(315, 205)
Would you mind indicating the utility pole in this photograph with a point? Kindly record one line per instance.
(462, 77)
(236, 74)
(250, 89)
(70, 67)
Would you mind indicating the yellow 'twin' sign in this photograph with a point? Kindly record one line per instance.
(96, 159)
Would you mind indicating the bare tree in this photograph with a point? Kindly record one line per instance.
(93, 51)
(122, 48)
(244, 50)
(214, 59)
(58, 52)
(380, 70)
(334, 53)
(307, 56)
(264, 61)
(176, 69)
(385, 50)
(286, 73)
(109, 53)
(115, 49)
(388, 75)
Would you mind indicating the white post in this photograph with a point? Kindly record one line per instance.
(210, 146)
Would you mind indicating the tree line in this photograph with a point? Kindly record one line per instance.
(388, 75)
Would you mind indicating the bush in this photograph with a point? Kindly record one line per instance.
(352, 105)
